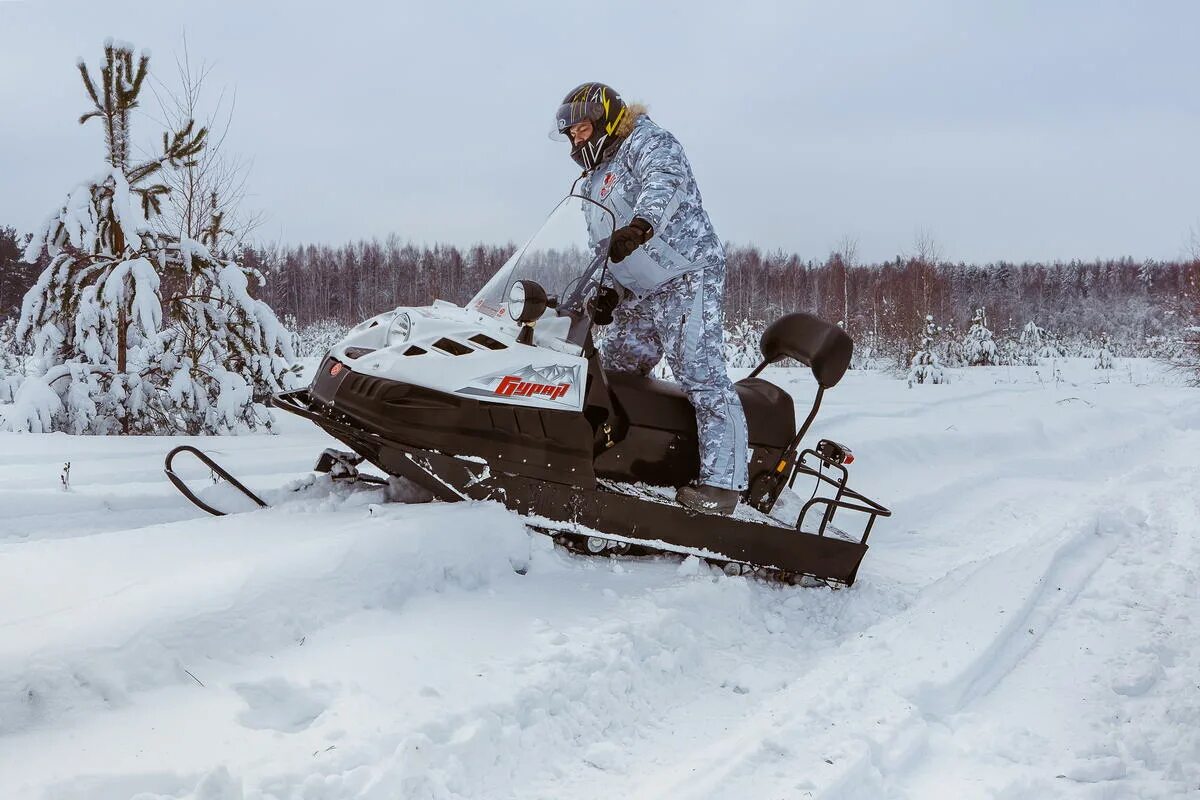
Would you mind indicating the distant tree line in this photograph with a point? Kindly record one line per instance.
(1142, 306)
(349, 283)
(1131, 301)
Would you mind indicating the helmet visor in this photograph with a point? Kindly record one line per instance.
(572, 114)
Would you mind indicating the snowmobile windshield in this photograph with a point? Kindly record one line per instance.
(567, 256)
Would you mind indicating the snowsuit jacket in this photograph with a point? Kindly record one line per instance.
(677, 278)
(650, 177)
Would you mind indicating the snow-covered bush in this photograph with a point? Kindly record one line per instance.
(1188, 358)
(926, 367)
(1052, 346)
(1168, 348)
(742, 344)
(979, 349)
(317, 338)
(1035, 344)
(871, 352)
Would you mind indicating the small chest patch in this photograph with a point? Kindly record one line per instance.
(610, 180)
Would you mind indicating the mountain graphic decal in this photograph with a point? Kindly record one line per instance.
(556, 383)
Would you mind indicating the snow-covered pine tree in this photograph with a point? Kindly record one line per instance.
(93, 321)
(1052, 345)
(979, 349)
(926, 366)
(1104, 356)
(1032, 344)
(224, 352)
(293, 327)
(12, 370)
(950, 347)
(15, 275)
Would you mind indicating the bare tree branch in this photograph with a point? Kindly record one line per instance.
(926, 249)
(213, 186)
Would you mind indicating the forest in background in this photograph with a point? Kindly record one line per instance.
(1142, 308)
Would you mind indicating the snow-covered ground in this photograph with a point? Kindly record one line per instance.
(1025, 626)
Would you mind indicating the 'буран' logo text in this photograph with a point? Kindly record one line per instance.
(512, 386)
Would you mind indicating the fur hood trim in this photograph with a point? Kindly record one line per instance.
(633, 112)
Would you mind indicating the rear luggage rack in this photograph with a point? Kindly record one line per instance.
(845, 498)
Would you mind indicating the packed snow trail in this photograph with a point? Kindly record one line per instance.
(1023, 616)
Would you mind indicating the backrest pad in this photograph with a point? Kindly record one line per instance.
(824, 348)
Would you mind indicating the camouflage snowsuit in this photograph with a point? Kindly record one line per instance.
(672, 289)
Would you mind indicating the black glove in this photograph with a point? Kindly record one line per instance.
(625, 240)
(602, 304)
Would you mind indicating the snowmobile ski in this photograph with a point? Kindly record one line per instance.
(218, 472)
(341, 466)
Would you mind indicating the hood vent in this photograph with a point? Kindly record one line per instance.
(488, 342)
(452, 347)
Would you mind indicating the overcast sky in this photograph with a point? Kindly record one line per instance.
(1009, 129)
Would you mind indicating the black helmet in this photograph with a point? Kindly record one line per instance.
(604, 107)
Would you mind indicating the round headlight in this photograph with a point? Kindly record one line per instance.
(527, 301)
(516, 300)
(399, 330)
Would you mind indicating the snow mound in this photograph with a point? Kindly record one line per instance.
(174, 599)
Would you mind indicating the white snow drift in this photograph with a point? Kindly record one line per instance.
(1023, 627)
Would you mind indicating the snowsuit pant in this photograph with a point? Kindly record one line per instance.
(682, 320)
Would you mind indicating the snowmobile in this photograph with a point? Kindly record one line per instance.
(506, 399)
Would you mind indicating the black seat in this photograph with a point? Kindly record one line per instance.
(651, 403)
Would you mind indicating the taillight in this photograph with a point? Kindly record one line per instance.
(833, 452)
